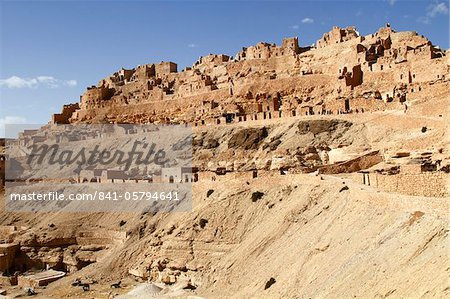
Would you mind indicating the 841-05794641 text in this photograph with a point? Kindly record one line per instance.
(97, 195)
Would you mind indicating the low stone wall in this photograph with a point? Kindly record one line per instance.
(40, 279)
(353, 165)
(101, 237)
(249, 175)
(431, 184)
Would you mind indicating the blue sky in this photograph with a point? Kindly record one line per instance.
(52, 50)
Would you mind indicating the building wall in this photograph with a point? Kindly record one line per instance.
(7, 256)
(337, 35)
(174, 172)
(431, 184)
(93, 96)
(165, 68)
(65, 115)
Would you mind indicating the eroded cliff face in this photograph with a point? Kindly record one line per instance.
(292, 145)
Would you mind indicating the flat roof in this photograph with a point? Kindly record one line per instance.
(46, 275)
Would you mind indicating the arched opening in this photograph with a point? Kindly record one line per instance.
(171, 179)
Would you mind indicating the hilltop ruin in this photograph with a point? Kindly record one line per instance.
(343, 73)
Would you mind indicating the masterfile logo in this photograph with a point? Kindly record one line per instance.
(100, 168)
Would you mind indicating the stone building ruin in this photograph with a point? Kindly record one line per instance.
(344, 72)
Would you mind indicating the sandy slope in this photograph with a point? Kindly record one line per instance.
(314, 240)
(322, 243)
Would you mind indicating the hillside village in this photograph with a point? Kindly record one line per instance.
(333, 155)
(343, 73)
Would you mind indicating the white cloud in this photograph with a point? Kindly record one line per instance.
(307, 21)
(391, 2)
(10, 120)
(433, 10)
(423, 20)
(295, 27)
(192, 46)
(17, 82)
(71, 83)
(48, 81)
(437, 8)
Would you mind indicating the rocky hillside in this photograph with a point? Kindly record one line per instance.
(273, 146)
(309, 235)
(274, 236)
